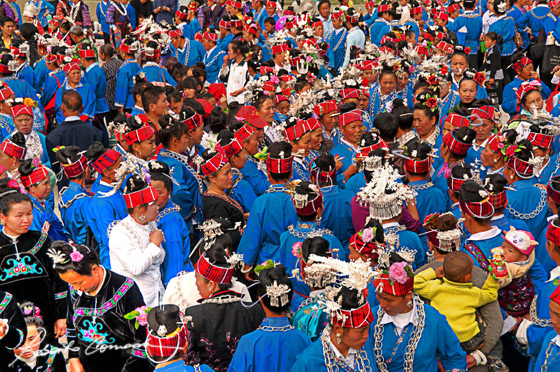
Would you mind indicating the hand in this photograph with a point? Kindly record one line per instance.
(46, 227)
(534, 75)
(471, 362)
(3, 327)
(225, 59)
(236, 93)
(439, 272)
(223, 101)
(248, 272)
(156, 237)
(156, 10)
(556, 70)
(338, 162)
(265, 34)
(60, 328)
(490, 82)
(75, 365)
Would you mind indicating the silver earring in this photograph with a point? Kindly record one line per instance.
(142, 218)
(495, 161)
(409, 303)
(338, 340)
(511, 177)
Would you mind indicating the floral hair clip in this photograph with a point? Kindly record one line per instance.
(32, 311)
(140, 315)
(297, 250)
(431, 102)
(511, 150)
(368, 235)
(269, 264)
(399, 272)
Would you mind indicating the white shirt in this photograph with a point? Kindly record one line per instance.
(236, 80)
(401, 320)
(350, 357)
(487, 19)
(133, 255)
(494, 231)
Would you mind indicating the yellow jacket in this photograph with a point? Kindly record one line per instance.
(457, 301)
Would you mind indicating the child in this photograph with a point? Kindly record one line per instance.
(34, 354)
(492, 62)
(457, 299)
(517, 290)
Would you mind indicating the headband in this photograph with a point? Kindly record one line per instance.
(141, 197)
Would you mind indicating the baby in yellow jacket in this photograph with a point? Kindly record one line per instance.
(456, 297)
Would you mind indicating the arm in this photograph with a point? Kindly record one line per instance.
(451, 355)
(17, 330)
(121, 88)
(488, 292)
(425, 284)
(89, 105)
(251, 241)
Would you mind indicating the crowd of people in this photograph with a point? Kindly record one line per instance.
(259, 186)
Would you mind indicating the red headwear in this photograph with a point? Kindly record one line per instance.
(398, 280)
(482, 209)
(541, 139)
(441, 15)
(364, 242)
(5, 92)
(141, 197)
(305, 207)
(522, 168)
(296, 132)
(525, 88)
(86, 53)
(555, 296)
(13, 150)
(163, 342)
(553, 232)
(233, 148)
(279, 165)
(350, 117)
(453, 7)
(75, 169)
(354, 318)
(456, 145)
(458, 121)
(349, 93)
(212, 36)
(37, 175)
(243, 133)
(551, 191)
(139, 135)
(20, 108)
(215, 163)
(484, 112)
(446, 47)
(71, 66)
(521, 64)
(218, 274)
(175, 33)
(325, 107)
(250, 114)
(105, 161)
(280, 48)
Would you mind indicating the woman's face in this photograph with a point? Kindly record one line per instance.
(75, 76)
(196, 134)
(458, 65)
(222, 180)
(150, 211)
(266, 111)
(391, 304)
(181, 144)
(484, 130)
(301, 146)
(7, 161)
(24, 124)
(238, 161)
(252, 145)
(533, 99)
(231, 53)
(329, 120)
(190, 93)
(355, 337)
(368, 75)
(175, 106)
(364, 102)
(422, 123)
(447, 128)
(19, 218)
(467, 91)
(319, 30)
(387, 83)
(32, 343)
(487, 157)
(6, 105)
(316, 139)
(84, 283)
(283, 107)
(42, 190)
(352, 132)
(204, 287)
(164, 194)
(402, 80)
(145, 150)
(527, 72)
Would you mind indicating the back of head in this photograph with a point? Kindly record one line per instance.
(72, 101)
(77, 257)
(275, 289)
(457, 265)
(387, 126)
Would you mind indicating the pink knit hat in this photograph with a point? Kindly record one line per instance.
(523, 241)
